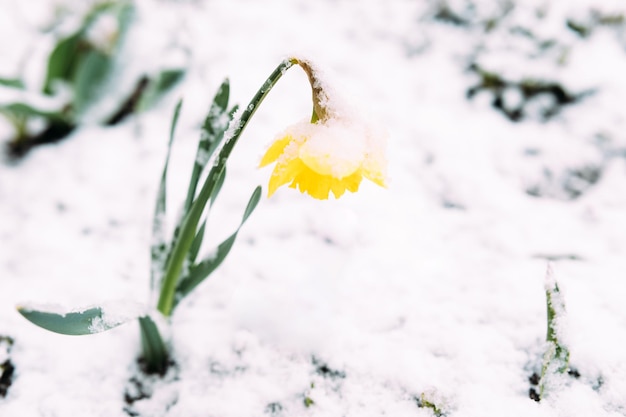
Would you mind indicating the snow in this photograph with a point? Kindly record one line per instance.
(434, 286)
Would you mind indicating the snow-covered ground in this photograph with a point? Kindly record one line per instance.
(373, 304)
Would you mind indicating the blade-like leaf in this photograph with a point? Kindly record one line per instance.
(91, 74)
(124, 12)
(203, 269)
(191, 219)
(158, 87)
(89, 321)
(211, 135)
(155, 352)
(186, 229)
(252, 203)
(62, 61)
(26, 110)
(218, 187)
(221, 97)
(197, 243)
(12, 82)
(556, 357)
(158, 248)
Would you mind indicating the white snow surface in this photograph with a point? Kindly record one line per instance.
(433, 287)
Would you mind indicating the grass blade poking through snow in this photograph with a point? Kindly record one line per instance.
(556, 357)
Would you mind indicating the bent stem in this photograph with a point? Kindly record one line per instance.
(154, 350)
(174, 266)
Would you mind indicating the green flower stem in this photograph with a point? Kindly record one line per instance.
(175, 263)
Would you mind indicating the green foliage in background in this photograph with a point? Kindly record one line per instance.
(77, 71)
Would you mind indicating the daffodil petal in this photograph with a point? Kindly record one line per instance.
(275, 150)
(350, 183)
(284, 172)
(374, 169)
(376, 177)
(314, 184)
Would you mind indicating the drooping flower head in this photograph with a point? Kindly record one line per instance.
(331, 153)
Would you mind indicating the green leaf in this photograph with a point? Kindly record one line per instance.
(91, 75)
(252, 203)
(197, 243)
(556, 357)
(155, 353)
(124, 12)
(211, 135)
(26, 111)
(88, 321)
(189, 225)
(62, 61)
(203, 269)
(184, 240)
(12, 82)
(158, 87)
(158, 247)
(218, 187)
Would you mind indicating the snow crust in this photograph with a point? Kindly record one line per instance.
(434, 286)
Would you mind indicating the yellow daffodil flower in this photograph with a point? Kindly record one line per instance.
(330, 154)
(319, 158)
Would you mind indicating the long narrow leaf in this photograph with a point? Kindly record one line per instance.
(158, 247)
(186, 230)
(158, 87)
(197, 243)
(556, 357)
(91, 74)
(203, 269)
(191, 220)
(12, 82)
(62, 62)
(212, 133)
(154, 350)
(89, 321)
(26, 111)
(218, 187)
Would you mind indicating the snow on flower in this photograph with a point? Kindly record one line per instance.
(332, 153)
(319, 158)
